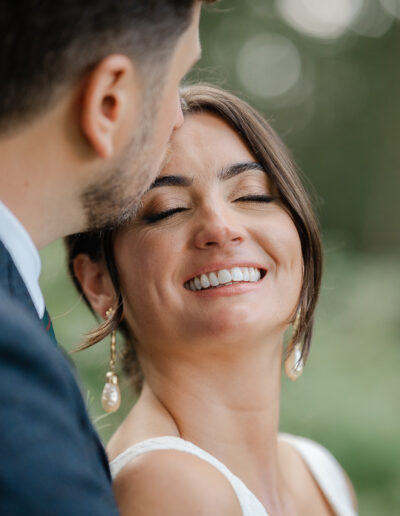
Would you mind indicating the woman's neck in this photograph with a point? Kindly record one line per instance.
(229, 406)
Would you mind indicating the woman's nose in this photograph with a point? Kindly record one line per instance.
(217, 229)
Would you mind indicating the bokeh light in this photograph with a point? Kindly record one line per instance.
(374, 21)
(269, 65)
(326, 20)
(392, 6)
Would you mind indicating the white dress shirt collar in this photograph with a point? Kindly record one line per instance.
(24, 254)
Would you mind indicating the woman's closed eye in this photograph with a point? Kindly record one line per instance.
(156, 216)
(257, 198)
(152, 217)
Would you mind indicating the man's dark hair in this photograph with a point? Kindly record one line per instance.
(48, 45)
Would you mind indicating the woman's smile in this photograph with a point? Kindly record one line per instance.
(220, 277)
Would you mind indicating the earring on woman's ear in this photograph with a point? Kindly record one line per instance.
(294, 363)
(111, 396)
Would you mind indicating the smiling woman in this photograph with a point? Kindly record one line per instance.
(222, 256)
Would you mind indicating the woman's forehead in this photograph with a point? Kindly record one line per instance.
(205, 142)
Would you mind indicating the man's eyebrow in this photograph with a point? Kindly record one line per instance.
(238, 168)
(171, 181)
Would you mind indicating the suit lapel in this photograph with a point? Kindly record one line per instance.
(12, 282)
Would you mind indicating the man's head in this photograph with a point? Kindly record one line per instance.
(119, 62)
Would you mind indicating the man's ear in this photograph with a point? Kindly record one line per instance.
(95, 282)
(110, 104)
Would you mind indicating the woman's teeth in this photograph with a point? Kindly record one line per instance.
(223, 277)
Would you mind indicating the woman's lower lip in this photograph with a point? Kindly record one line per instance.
(228, 290)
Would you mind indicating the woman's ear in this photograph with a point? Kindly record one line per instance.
(95, 282)
(110, 101)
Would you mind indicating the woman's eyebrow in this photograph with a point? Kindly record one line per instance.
(225, 173)
(171, 181)
(238, 168)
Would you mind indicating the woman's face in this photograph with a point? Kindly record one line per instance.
(212, 255)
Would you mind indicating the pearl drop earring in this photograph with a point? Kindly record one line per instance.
(111, 395)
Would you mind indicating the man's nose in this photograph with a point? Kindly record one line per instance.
(179, 114)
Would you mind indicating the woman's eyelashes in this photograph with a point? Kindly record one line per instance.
(150, 218)
(256, 198)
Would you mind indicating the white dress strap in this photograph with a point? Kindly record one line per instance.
(326, 471)
(249, 504)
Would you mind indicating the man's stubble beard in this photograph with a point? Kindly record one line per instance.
(106, 203)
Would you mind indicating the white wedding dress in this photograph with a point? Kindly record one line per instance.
(323, 466)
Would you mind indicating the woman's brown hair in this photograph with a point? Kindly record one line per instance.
(271, 153)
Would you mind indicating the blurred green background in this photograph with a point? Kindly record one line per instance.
(326, 75)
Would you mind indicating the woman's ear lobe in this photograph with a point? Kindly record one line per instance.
(95, 283)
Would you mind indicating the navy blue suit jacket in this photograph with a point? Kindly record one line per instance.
(51, 460)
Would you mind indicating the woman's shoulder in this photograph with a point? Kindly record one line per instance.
(315, 455)
(166, 478)
(326, 470)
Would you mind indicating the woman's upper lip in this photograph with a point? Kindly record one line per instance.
(217, 266)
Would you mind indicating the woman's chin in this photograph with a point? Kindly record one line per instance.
(230, 323)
